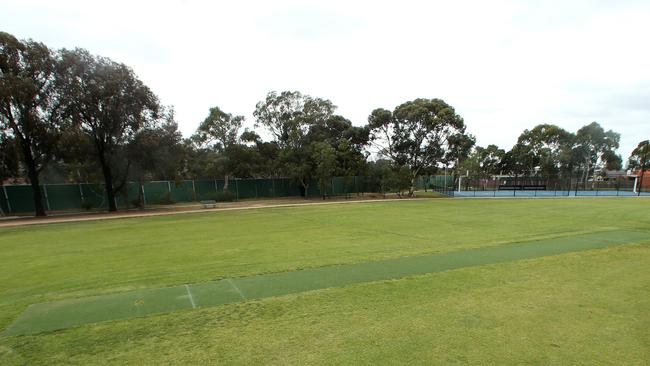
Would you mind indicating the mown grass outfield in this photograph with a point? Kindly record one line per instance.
(586, 307)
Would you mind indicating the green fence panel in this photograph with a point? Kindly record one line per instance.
(21, 198)
(157, 192)
(94, 195)
(205, 189)
(183, 191)
(128, 196)
(246, 188)
(265, 188)
(220, 184)
(63, 196)
(344, 185)
(3, 201)
(77, 196)
(313, 189)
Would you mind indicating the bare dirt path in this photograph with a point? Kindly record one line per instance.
(183, 209)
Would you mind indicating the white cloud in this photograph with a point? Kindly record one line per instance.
(504, 65)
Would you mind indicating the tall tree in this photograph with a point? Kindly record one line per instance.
(155, 152)
(289, 117)
(545, 149)
(289, 114)
(324, 157)
(265, 162)
(220, 132)
(418, 134)
(596, 148)
(484, 162)
(111, 105)
(9, 154)
(29, 105)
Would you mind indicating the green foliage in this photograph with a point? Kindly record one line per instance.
(87, 205)
(9, 157)
(324, 157)
(595, 148)
(544, 150)
(224, 196)
(137, 202)
(419, 135)
(484, 162)
(640, 156)
(29, 105)
(219, 129)
(166, 199)
(155, 152)
(110, 105)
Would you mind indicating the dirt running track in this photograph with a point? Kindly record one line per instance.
(175, 210)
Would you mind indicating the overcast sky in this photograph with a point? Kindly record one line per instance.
(504, 65)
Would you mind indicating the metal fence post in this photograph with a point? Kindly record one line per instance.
(194, 189)
(47, 199)
(7, 198)
(81, 193)
(237, 189)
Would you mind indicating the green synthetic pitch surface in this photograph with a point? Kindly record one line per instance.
(577, 307)
(69, 313)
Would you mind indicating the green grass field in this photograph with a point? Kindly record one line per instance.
(586, 307)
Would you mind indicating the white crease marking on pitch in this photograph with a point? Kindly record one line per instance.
(237, 289)
(189, 293)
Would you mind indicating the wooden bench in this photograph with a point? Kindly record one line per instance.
(209, 204)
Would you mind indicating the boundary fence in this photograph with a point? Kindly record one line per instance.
(67, 196)
(70, 196)
(544, 187)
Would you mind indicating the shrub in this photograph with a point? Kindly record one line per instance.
(136, 202)
(226, 196)
(167, 199)
(87, 205)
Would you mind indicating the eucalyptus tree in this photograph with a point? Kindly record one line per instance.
(289, 116)
(418, 134)
(219, 132)
(596, 148)
(111, 105)
(29, 105)
(545, 149)
(484, 162)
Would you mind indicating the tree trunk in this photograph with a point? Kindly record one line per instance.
(587, 170)
(32, 173)
(226, 177)
(412, 188)
(141, 193)
(108, 182)
(305, 185)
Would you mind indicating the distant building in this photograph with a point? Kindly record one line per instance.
(637, 175)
